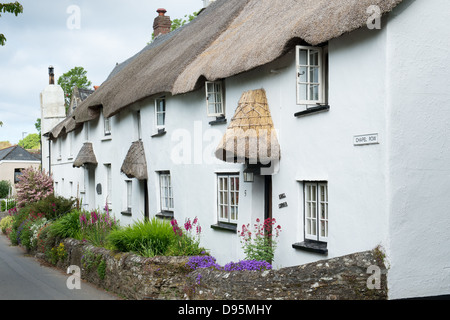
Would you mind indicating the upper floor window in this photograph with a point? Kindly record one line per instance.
(107, 126)
(311, 75)
(160, 112)
(214, 99)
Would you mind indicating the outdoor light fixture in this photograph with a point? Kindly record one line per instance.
(250, 171)
(248, 176)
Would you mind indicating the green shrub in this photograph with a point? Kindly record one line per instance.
(4, 189)
(187, 239)
(52, 206)
(6, 223)
(6, 207)
(146, 238)
(96, 226)
(67, 226)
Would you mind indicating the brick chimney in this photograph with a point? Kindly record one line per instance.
(162, 23)
(51, 75)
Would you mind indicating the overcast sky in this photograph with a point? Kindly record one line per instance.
(50, 32)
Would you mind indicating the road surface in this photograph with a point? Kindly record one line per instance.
(22, 277)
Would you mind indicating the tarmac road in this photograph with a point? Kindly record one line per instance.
(23, 277)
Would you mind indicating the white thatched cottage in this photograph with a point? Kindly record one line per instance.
(320, 114)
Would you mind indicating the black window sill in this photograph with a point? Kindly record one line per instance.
(160, 133)
(219, 120)
(230, 227)
(312, 110)
(165, 215)
(312, 246)
(126, 213)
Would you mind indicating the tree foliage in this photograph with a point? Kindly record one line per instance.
(13, 7)
(31, 141)
(75, 77)
(33, 185)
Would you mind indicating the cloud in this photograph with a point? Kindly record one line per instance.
(110, 32)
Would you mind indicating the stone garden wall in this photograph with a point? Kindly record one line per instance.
(134, 277)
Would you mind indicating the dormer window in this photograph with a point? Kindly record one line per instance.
(214, 99)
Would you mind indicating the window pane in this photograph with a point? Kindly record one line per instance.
(314, 74)
(314, 92)
(303, 92)
(314, 58)
(303, 57)
(303, 74)
(161, 119)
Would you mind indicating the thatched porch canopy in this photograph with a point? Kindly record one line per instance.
(229, 37)
(85, 156)
(135, 164)
(251, 136)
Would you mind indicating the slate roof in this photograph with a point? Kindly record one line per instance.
(16, 153)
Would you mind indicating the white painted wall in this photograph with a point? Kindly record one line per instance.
(418, 149)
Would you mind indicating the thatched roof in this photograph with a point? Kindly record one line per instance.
(69, 124)
(135, 165)
(85, 156)
(251, 136)
(229, 37)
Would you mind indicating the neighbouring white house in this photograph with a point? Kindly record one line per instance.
(330, 116)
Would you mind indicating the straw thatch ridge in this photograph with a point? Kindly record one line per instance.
(85, 156)
(229, 37)
(251, 136)
(135, 164)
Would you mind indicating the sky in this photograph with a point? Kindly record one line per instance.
(93, 34)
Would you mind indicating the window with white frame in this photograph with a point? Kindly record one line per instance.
(166, 192)
(316, 211)
(108, 185)
(214, 98)
(128, 203)
(70, 137)
(107, 126)
(228, 197)
(312, 76)
(160, 112)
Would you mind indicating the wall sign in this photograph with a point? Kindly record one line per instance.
(365, 139)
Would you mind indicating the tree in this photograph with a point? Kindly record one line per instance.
(31, 141)
(38, 125)
(76, 77)
(14, 8)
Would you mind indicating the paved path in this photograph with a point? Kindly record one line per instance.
(23, 277)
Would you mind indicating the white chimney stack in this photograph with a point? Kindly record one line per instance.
(207, 3)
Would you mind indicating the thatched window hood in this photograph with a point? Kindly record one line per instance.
(251, 137)
(135, 164)
(85, 156)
